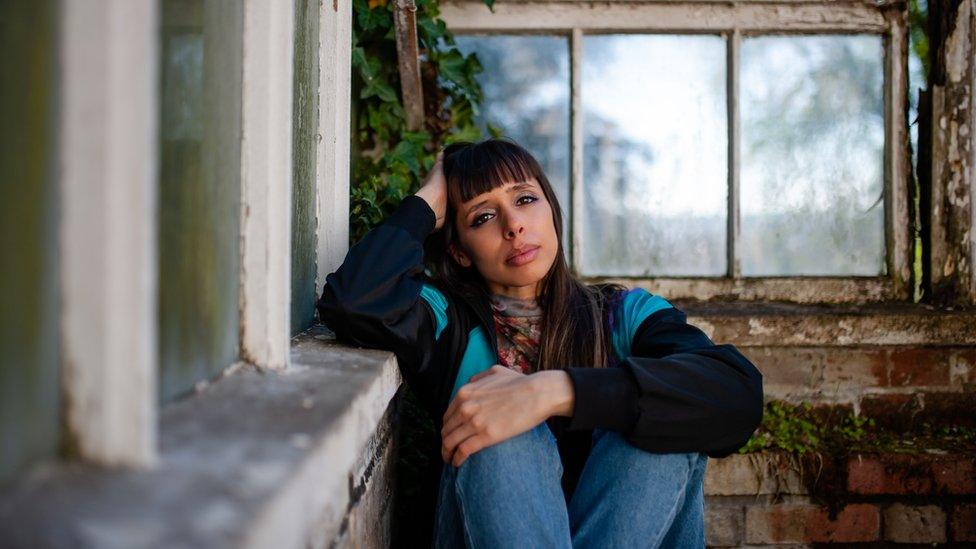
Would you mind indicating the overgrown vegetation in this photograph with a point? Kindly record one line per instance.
(816, 443)
(802, 428)
(389, 162)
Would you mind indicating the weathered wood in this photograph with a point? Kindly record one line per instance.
(899, 237)
(332, 160)
(109, 244)
(704, 16)
(576, 142)
(732, 104)
(793, 289)
(950, 215)
(266, 183)
(408, 63)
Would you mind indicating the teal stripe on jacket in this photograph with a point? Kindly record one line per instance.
(637, 305)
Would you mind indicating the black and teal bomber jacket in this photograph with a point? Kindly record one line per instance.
(672, 390)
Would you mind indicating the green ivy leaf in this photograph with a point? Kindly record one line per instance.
(495, 131)
(388, 161)
(452, 65)
(376, 85)
(431, 32)
(407, 152)
(467, 133)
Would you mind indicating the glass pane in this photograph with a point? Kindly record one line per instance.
(654, 155)
(199, 234)
(29, 291)
(304, 128)
(812, 156)
(526, 96)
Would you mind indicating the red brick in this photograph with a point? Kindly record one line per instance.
(914, 524)
(891, 411)
(963, 525)
(919, 367)
(723, 526)
(955, 475)
(889, 474)
(858, 522)
(752, 474)
(905, 412)
(788, 366)
(855, 368)
(962, 368)
(919, 474)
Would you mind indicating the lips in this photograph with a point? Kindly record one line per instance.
(522, 255)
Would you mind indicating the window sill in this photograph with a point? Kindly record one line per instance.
(758, 324)
(258, 459)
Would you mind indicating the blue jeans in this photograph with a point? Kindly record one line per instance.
(509, 495)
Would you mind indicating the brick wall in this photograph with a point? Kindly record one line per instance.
(766, 499)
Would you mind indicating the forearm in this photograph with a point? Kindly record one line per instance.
(378, 283)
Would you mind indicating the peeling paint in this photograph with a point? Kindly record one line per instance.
(958, 46)
(756, 327)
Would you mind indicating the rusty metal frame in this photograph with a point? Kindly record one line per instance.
(733, 20)
(408, 63)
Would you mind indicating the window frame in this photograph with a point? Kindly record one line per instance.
(733, 21)
(109, 168)
(266, 172)
(108, 183)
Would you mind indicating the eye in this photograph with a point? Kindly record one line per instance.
(479, 220)
(533, 199)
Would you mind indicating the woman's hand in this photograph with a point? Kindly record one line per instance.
(434, 191)
(498, 404)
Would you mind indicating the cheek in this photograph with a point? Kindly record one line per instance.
(478, 244)
(549, 225)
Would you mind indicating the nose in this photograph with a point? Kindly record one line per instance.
(514, 226)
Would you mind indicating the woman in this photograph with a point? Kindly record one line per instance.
(570, 415)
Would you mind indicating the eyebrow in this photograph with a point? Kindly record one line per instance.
(512, 187)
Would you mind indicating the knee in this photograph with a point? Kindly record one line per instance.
(534, 446)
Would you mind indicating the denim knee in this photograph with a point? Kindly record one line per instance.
(537, 445)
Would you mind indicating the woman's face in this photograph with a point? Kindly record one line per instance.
(509, 236)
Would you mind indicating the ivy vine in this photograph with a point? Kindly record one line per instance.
(389, 162)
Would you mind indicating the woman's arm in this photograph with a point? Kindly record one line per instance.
(374, 298)
(676, 392)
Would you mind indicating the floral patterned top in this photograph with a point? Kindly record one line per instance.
(518, 325)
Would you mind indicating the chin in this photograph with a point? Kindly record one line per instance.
(529, 274)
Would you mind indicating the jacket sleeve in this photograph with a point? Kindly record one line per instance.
(676, 391)
(377, 297)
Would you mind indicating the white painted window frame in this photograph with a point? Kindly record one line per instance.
(108, 153)
(266, 167)
(575, 19)
(332, 151)
(108, 165)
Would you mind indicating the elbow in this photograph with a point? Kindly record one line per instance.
(743, 419)
(331, 309)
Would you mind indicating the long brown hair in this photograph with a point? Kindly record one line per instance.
(574, 332)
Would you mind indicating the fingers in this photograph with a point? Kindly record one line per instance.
(463, 407)
(456, 437)
(460, 412)
(468, 447)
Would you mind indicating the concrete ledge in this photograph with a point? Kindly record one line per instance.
(821, 325)
(258, 459)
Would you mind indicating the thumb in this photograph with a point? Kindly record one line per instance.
(479, 375)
